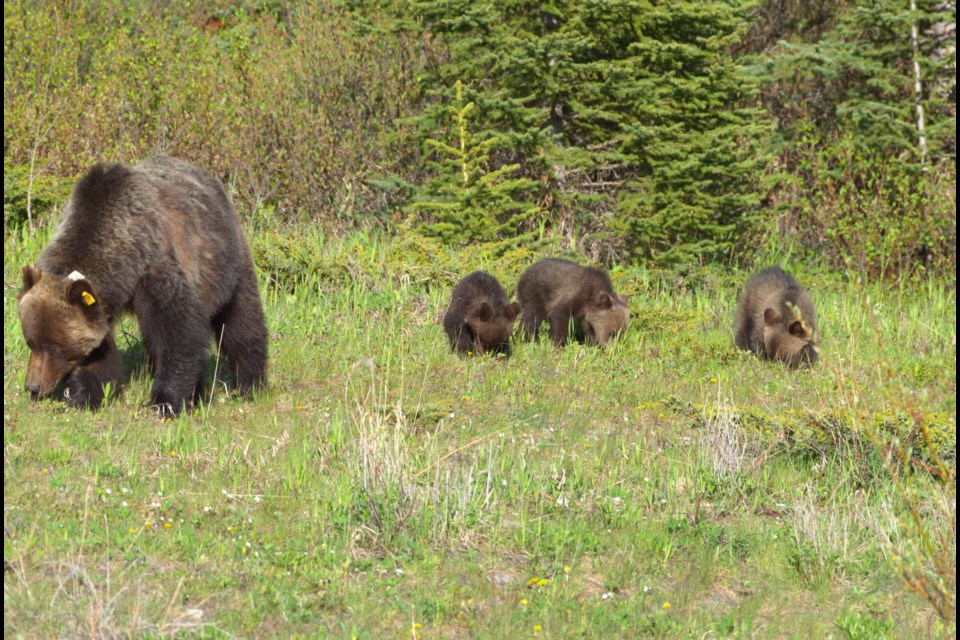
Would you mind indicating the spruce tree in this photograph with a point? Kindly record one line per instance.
(629, 116)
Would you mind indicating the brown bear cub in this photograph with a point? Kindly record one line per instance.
(160, 239)
(563, 292)
(776, 319)
(480, 316)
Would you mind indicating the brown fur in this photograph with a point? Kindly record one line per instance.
(480, 316)
(563, 292)
(160, 239)
(776, 319)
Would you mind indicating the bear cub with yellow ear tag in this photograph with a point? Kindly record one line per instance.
(776, 319)
(162, 240)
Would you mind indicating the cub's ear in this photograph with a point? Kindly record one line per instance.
(485, 312)
(604, 301)
(771, 317)
(31, 276)
(796, 329)
(512, 310)
(80, 293)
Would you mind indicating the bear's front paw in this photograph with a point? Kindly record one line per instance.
(80, 392)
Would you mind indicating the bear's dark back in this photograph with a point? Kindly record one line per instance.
(553, 280)
(121, 223)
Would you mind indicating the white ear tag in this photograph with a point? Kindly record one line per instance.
(75, 275)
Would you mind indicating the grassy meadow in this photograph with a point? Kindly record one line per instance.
(670, 487)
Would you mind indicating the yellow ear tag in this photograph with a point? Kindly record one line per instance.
(87, 298)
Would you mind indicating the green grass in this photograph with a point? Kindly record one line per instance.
(670, 487)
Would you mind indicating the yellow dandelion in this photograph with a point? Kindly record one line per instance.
(523, 601)
(148, 524)
(713, 380)
(173, 454)
(566, 569)
(133, 529)
(416, 625)
(666, 605)
(542, 582)
(231, 528)
(537, 628)
(533, 580)
(167, 525)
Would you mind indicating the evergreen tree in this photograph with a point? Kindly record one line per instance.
(860, 80)
(628, 115)
(464, 201)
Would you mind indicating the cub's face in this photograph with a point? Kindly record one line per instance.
(608, 318)
(788, 340)
(492, 329)
(62, 321)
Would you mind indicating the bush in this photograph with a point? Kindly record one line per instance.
(293, 108)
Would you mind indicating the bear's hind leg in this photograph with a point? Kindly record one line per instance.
(240, 331)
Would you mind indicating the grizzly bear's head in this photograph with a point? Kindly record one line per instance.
(491, 328)
(63, 321)
(605, 318)
(788, 338)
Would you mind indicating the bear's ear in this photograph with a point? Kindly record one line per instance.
(771, 317)
(80, 293)
(512, 310)
(624, 299)
(485, 312)
(604, 301)
(796, 329)
(31, 276)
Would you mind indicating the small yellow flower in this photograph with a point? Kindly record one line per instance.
(666, 605)
(566, 569)
(416, 625)
(713, 380)
(167, 525)
(148, 524)
(523, 601)
(231, 528)
(542, 582)
(133, 529)
(537, 629)
(587, 445)
(533, 580)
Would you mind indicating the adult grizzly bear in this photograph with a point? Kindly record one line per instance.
(776, 319)
(480, 316)
(561, 291)
(160, 239)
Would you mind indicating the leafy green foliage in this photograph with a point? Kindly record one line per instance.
(291, 108)
(29, 199)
